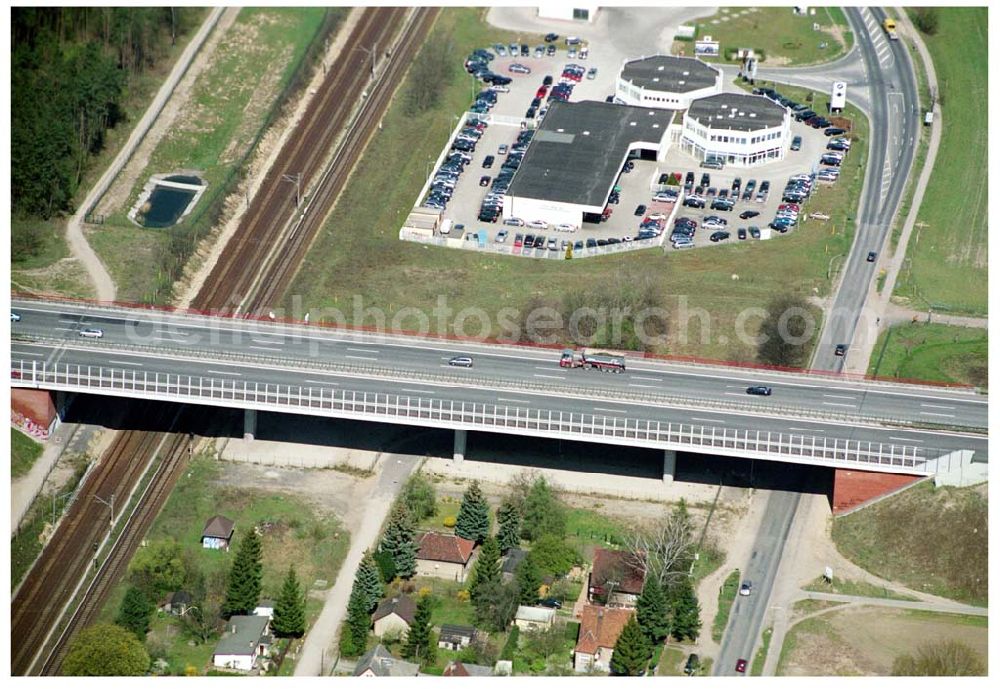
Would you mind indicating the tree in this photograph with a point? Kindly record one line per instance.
(508, 525)
(370, 580)
(653, 612)
(105, 650)
(528, 580)
(201, 620)
(786, 331)
(665, 550)
(354, 637)
(685, 612)
(495, 606)
(420, 644)
(244, 583)
(487, 570)
(420, 497)
(543, 512)
(386, 565)
(473, 521)
(135, 612)
(939, 659)
(433, 67)
(290, 608)
(554, 556)
(632, 651)
(158, 568)
(926, 19)
(399, 540)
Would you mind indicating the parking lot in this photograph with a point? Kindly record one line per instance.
(508, 118)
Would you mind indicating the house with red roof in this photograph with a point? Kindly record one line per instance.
(616, 579)
(600, 628)
(444, 556)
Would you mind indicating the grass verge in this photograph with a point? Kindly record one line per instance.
(946, 264)
(727, 594)
(929, 539)
(849, 587)
(671, 662)
(757, 667)
(23, 453)
(808, 606)
(813, 626)
(934, 352)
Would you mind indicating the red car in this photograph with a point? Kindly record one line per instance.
(541, 92)
(741, 666)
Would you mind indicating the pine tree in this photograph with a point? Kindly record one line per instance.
(508, 526)
(486, 572)
(399, 540)
(244, 582)
(686, 613)
(354, 637)
(528, 580)
(290, 608)
(420, 644)
(653, 611)
(632, 651)
(473, 520)
(369, 579)
(135, 612)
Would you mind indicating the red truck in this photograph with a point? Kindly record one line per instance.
(588, 358)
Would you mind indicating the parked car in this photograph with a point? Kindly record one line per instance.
(796, 143)
(755, 232)
(719, 236)
(550, 37)
(746, 215)
(592, 73)
(741, 233)
(640, 210)
(501, 237)
(514, 222)
(834, 131)
(538, 225)
(518, 68)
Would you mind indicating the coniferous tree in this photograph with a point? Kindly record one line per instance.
(244, 583)
(486, 572)
(685, 612)
(528, 580)
(369, 579)
(420, 644)
(399, 540)
(653, 611)
(386, 565)
(290, 608)
(508, 526)
(632, 651)
(473, 520)
(354, 636)
(135, 612)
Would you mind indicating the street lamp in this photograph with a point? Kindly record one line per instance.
(111, 522)
(296, 179)
(55, 499)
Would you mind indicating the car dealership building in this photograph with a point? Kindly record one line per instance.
(743, 130)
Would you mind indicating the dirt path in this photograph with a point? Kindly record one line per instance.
(75, 238)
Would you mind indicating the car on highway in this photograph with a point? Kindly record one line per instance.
(746, 588)
(463, 361)
(758, 390)
(872, 256)
(14, 317)
(840, 350)
(95, 333)
(741, 666)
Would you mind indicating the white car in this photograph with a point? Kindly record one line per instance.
(501, 237)
(514, 222)
(14, 317)
(657, 216)
(566, 227)
(538, 225)
(96, 333)
(500, 88)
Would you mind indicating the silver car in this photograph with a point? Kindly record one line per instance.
(463, 361)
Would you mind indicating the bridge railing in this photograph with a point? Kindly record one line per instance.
(416, 410)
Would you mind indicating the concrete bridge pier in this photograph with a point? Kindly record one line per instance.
(249, 424)
(459, 453)
(669, 465)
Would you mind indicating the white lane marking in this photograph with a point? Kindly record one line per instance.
(421, 392)
(361, 358)
(841, 397)
(512, 399)
(838, 404)
(639, 385)
(930, 413)
(937, 406)
(125, 363)
(737, 394)
(655, 380)
(542, 375)
(905, 440)
(544, 368)
(697, 418)
(806, 430)
(269, 349)
(224, 373)
(321, 382)
(366, 351)
(613, 411)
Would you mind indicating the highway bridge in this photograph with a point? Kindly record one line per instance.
(296, 368)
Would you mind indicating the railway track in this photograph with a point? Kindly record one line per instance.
(38, 643)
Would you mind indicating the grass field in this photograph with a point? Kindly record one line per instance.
(727, 594)
(947, 256)
(671, 662)
(783, 37)
(866, 640)
(933, 351)
(757, 667)
(357, 257)
(929, 539)
(23, 453)
(229, 104)
(848, 587)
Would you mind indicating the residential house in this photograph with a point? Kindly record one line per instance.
(378, 662)
(456, 636)
(218, 533)
(513, 558)
(600, 628)
(456, 668)
(530, 617)
(616, 578)
(394, 616)
(444, 556)
(247, 637)
(177, 603)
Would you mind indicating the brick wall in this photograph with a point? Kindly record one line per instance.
(851, 487)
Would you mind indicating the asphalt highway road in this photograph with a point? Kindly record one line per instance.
(190, 345)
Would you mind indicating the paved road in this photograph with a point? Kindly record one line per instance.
(748, 611)
(950, 607)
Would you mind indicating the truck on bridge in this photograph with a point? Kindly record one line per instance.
(889, 25)
(589, 358)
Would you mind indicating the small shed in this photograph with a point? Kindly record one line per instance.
(177, 603)
(514, 557)
(530, 617)
(218, 533)
(456, 636)
(265, 608)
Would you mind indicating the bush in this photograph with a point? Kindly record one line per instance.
(940, 659)
(510, 648)
(449, 522)
(463, 595)
(786, 332)
(926, 19)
